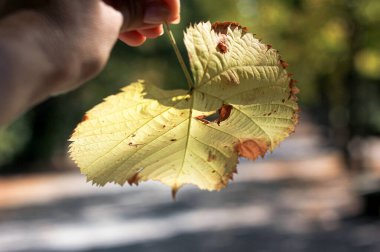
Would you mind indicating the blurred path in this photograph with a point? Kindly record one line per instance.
(297, 199)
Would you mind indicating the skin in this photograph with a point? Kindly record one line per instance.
(48, 47)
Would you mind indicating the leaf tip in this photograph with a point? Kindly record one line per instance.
(284, 64)
(134, 180)
(174, 192)
(269, 47)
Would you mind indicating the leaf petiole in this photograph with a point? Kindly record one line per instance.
(179, 56)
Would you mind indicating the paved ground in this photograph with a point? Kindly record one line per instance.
(299, 202)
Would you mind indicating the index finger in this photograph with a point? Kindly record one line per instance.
(174, 8)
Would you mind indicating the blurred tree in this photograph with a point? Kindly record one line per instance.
(333, 49)
(13, 139)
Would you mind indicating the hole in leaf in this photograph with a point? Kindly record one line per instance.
(224, 113)
(219, 116)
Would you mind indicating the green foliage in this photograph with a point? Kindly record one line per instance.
(12, 140)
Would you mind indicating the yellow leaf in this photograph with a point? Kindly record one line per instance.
(242, 104)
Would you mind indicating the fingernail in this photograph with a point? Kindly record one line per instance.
(161, 30)
(176, 20)
(156, 14)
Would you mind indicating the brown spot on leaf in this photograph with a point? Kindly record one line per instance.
(134, 145)
(222, 27)
(296, 116)
(173, 140)
(85, 118)
(221, 184)
(283, 100)
(293, 89)
(235, 170)
(224, 179)
(230, 176)
(292, 94)
(251, 149)
(222, 47)
(295, 119)
(284, 64)
(224, 113)
(163, 126)
(134, 180)
(211, 156)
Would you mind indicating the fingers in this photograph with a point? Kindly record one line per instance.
(132, 38)
(174, 10)
(137, 38)
(144, 13)
(152, 32)
(145, 18)
(156, 13)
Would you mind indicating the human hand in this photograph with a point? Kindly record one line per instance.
(51, 46)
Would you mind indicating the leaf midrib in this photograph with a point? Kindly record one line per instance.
(187, 139)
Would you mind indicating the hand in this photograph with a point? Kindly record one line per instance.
(51, 46)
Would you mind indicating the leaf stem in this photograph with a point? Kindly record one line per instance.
(179, 56)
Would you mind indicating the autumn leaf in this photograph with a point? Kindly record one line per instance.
(242, 103)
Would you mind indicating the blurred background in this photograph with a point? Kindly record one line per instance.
(320, 190)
